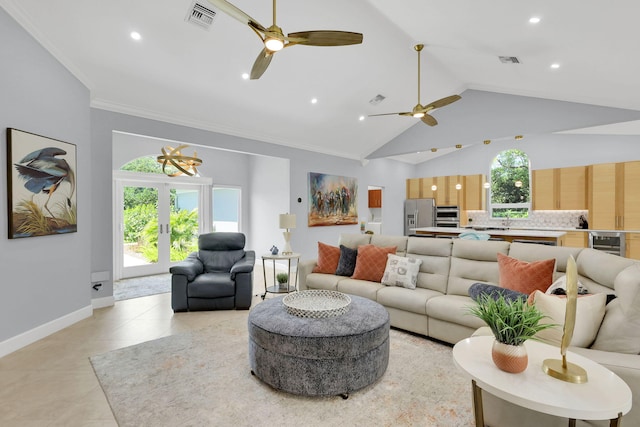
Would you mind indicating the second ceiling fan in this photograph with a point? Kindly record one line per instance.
(275, 40)
(422, 111)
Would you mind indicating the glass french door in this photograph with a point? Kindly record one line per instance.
(158, 224)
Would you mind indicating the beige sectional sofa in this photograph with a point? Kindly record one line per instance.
(437, 307)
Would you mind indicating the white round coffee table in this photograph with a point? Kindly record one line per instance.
(533, 389)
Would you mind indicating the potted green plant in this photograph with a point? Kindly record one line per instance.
(283, 280)
(512, 323)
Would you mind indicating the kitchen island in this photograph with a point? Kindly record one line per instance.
(528, 236)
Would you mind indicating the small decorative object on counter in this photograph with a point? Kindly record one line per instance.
(274, 250)
(362, 224)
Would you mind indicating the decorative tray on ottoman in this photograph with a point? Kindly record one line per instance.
(317, 304)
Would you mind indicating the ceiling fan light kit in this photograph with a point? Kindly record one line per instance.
(421, 111)
(274, 39)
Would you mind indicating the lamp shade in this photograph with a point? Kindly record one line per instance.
(287, 221)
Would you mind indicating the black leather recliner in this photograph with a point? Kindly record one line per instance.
(217, 277)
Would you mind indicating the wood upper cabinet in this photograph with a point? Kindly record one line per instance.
(543, 189)
(561, 188)
(614, 202)
(413, 188)
(375, 198)
(631, 196)
(474, 193)
(425, 188)
(633, 246)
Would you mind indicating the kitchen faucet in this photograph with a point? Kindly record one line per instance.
(507, 221)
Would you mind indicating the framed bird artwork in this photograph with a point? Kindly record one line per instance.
(41, 179)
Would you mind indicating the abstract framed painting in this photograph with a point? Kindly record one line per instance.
(41, 181)
(333, 200)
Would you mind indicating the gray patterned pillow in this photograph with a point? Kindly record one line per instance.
(401, 271)
(347, 261)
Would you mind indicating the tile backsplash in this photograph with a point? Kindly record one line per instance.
(537, 219)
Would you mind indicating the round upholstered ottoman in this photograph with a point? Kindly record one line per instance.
(319, 357)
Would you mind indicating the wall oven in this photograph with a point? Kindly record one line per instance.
(448, 216)
(612, 242)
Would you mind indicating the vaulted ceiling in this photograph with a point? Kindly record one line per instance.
(183, 73)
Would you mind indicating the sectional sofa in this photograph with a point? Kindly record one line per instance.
(437, 306)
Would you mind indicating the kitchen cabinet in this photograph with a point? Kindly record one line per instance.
(375, 198)
(447, 194)
(614, 199)
(560, 188)
(425, 188)
(576, 239)
(413, 188)
(475, 195)
(633, 246)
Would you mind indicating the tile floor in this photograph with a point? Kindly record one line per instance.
(51, 382)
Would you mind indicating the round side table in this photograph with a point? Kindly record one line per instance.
(276, 289)
(534, 389)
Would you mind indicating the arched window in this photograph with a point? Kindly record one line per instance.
(146, 164)
(510, 188)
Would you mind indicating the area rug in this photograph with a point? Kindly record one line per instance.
(202, 378)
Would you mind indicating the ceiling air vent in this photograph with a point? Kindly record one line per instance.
(509, 59)
(200, 15)
(377, 99)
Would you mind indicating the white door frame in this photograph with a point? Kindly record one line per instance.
(163, 183)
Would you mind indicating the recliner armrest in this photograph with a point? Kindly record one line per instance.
(190, 267)
(244, 265)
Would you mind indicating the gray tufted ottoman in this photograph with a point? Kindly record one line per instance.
(319, 357)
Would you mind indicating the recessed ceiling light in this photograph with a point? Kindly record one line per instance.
(245, 76)
(361, 118)
(314, 100)
(534, 20)
(555, 66)
(135, 35)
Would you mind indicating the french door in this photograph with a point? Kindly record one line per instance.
(157, 222)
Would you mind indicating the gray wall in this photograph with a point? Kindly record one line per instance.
(43, 278)
(544, 151)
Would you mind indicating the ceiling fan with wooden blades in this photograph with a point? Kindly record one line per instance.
(275, 40)
(422, 111)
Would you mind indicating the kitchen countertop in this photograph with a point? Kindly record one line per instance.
(509, 232)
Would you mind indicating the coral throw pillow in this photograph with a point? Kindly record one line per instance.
(525, 277)
(328, 257)
(371, 262)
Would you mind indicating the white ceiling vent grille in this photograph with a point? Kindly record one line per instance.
(509, 59)
(200, 15)
(377, 99)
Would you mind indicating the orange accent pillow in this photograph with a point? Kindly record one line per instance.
(328, 257)
(371, 262)
(523, 276)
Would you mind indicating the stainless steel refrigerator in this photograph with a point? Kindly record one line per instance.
(418, 213)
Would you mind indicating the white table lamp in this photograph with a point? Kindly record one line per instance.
(287, 222)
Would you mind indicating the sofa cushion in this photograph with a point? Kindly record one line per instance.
(400, 242)
(401, 299)
(211, 285)
(328, 257)
(453, 309)
(531, 252)
(322, 281)
(347, 261)
(523, 276)
(435, 255)
(600, 267)
(371, 262)
(401, 271)
(361, 288)
(354, 240)
(620, 330)
(589, 313)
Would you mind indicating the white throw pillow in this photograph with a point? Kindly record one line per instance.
(401, 271)
(589, 314)
(620, 330)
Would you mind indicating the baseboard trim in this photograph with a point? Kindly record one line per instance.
(103, 302)
(29, 337)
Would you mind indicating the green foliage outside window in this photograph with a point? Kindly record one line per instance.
(183, 235)
(509, 167)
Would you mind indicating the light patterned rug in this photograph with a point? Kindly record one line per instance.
(203, 378)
